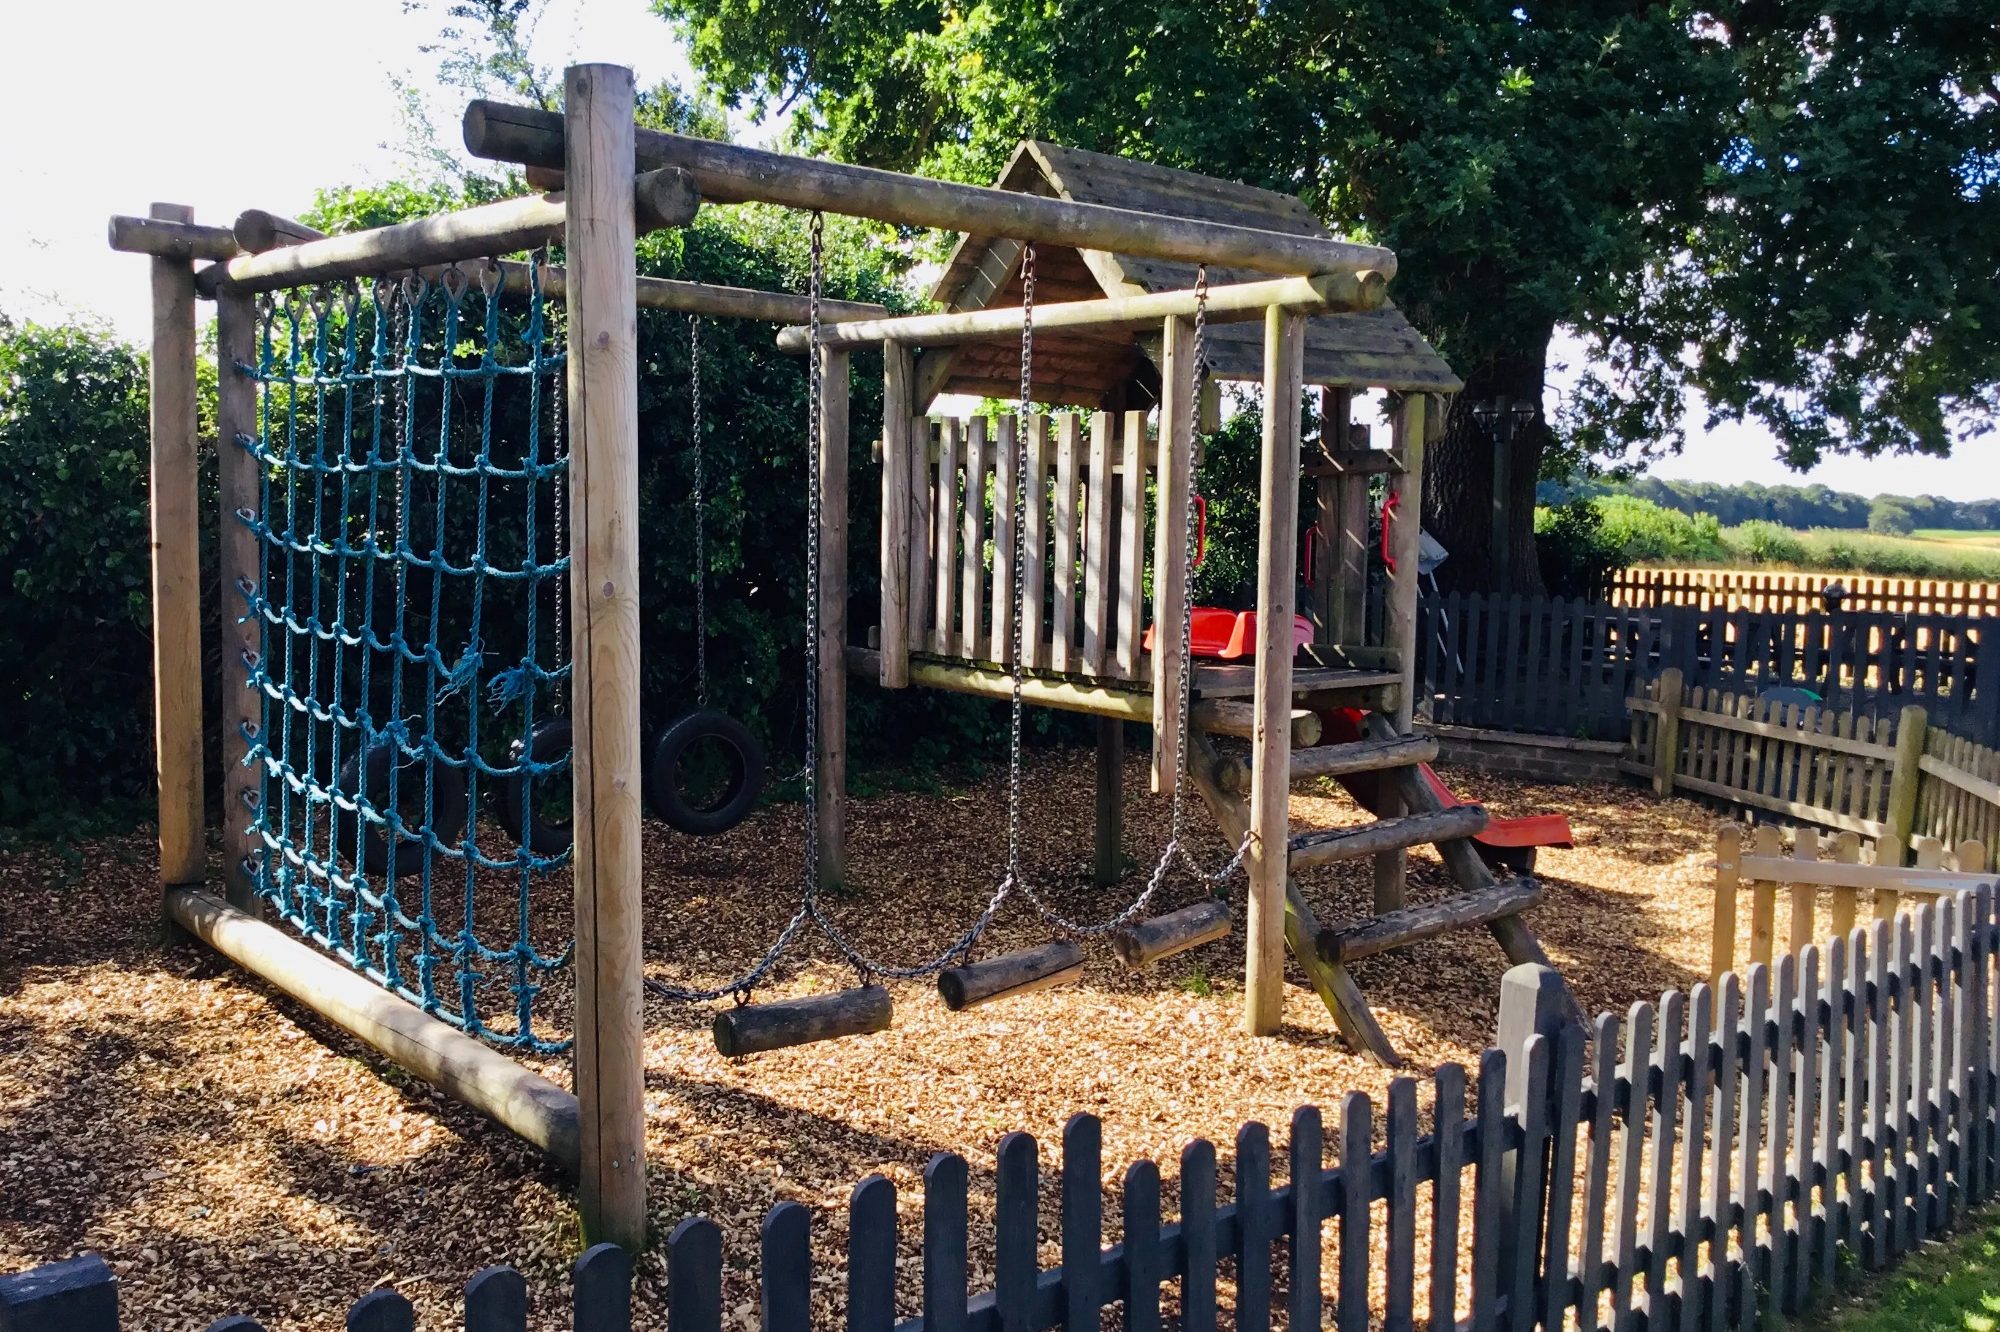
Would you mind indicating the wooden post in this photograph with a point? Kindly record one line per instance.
(1904, 775)
(898, 442)
(1533, 1002)
(236, 474)
(1399, 616)
(1170, 590)
(604, 684)
(176, 568)
(832, 757)
(1667, 735)
(1722, 917)
(1109, 865)
(1271, 743)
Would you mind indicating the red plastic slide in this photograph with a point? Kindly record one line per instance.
(1505, 842)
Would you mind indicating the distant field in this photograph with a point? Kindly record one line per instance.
(1955, 538)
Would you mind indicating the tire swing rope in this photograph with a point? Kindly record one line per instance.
(1014, 880)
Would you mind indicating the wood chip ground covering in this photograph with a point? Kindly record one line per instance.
(227, 1152)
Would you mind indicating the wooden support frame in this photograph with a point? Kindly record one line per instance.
(604, 637)
(1399, 614)
(1321, 294)
(660, 199)
(898, 446)
(237, 569)
(176, 531)
(1271, 746)
(731, 173)
(1178, 377)
(831, 790)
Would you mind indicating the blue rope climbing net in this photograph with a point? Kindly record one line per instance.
(409, 600)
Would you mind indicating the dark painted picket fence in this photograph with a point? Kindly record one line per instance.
(1556, 667)
(1694, 1165)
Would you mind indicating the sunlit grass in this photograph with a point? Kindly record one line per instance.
(1949, 1286)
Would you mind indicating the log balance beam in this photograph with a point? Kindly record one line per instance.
(731, 173)
(456, 1064)
(1235, 302)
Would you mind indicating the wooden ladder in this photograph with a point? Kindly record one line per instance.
(1324, 953)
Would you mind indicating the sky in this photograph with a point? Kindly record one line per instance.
(233, 104)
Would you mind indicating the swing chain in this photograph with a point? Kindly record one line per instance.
(700, 521)
(1019, 499)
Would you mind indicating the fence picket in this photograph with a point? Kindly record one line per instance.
(1802, 1020)
(1198, 1236)
(1144, 1270)
(601, 1296)
(1880, 1023)
(1772, 1273)
(1305, 1306)
(1834, 1087)
(1567, 1074)
(1722, 1133)
(1062, 593)
(1528, 1176)
(1399, 1306)
(1448, 1129)
(944, 622)
(1082, 1222)
(694, 1273)
(1255, 1228)
(1749, 1140)
(1902, 1176)
(1016, 1201)
(1632, 1079)
(1489, 1215)
(785, 1273)
(1660, 1186)
(1356, 1134)
(1006, 465)
(1034, 538)
(1929, 1079)
(1597, 1170)
(382, 1310)
(1701, 1021)
(496, 1300)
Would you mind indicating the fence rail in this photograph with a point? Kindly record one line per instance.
(1756, 590)
(1691, 1164)
(1562, 667)
(1893, 782)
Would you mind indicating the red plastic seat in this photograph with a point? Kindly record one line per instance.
(1228, 635)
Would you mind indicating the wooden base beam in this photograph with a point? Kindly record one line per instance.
(1350, 943)
(984, 682)
(1010, 974)
(456, 1064)
(757, 1028)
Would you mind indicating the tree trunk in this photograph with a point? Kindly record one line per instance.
(1459, 476)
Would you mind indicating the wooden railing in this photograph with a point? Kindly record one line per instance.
(1735, 1149)
(1566, 667)
(1083, 542)
(1755, 864)
(1889, 781)
(1757, 590)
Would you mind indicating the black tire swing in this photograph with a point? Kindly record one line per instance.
(704, 770)
(366, 774)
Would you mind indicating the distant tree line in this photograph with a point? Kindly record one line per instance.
(1788, 506)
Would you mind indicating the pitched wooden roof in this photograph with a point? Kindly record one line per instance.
(1378, 349)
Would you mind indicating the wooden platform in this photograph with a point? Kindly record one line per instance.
(1238, 680)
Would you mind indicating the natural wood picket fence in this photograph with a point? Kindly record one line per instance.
(1693, 1164)
(1889, 782)
(1755, 864)
(1759, 590)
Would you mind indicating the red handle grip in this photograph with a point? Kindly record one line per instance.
(1308, 563)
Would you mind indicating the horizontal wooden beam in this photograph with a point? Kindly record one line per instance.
(1355, 462)
(257, 230)
(453, 1062)
(992, 682)
(663, 199)
(731, 173)
(170, 240)
(1237, 301)
(1395, 929)
(1836, 874)
(1238, 718)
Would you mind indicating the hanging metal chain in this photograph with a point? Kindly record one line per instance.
(700, 520)
(559, 478)
(815, 391)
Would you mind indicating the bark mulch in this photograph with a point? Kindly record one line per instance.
(227, 1152)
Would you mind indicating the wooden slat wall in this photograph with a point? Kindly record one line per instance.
(1561, 667)
(1082, 534)
(1702, 1163)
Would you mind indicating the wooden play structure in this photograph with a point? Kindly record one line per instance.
(367, 705)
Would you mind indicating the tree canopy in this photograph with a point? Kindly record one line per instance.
(1793, 209)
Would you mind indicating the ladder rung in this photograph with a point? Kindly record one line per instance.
(1393, 929)
(1323, 848)
(1405, 751)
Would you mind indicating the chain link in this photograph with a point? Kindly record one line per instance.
(559, 449)
(700, 521)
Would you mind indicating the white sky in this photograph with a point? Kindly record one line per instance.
(234, 104)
